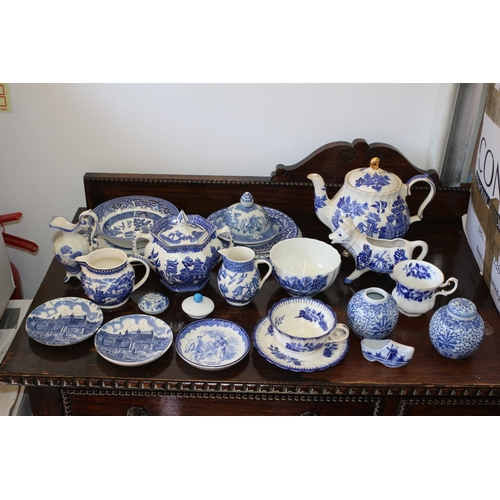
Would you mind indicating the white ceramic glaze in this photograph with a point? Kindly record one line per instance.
(108, 277)
(373, 254)
(183, 250)
(304, 325)
(198, 306)
(417, 285)
(239, 278)
(374, 198)
(304, 266)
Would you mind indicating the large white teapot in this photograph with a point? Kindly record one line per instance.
(373, 198)
(182, 249)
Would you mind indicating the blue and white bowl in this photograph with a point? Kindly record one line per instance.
(304, 267)
(303, 325)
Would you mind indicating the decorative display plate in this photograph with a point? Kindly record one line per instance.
(286, 229)
(267, 346)
(120, 218)
(63, 322)
(212, 344)
(133, 340)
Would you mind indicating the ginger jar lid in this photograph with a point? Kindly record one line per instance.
(249, 222)
(373, 179)
(461, 308)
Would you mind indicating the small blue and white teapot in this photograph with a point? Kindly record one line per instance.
(182, 249)
(373, 198)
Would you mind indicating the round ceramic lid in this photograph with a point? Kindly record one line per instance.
(153, 303)
(198, 306)
(462, 308)
(373, 179)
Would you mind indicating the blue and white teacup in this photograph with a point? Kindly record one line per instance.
(304, 325)
(417, 285)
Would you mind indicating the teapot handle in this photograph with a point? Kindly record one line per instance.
(414, 180)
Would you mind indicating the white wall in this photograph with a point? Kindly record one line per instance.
(57, 132)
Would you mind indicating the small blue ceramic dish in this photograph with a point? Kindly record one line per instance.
(153, 303)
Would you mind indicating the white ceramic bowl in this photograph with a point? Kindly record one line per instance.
(304, 325)
(304, 266)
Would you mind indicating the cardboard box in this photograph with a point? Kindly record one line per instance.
(482, 225)
(6, 279)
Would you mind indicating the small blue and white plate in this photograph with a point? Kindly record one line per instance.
(133, 340)
(153, 303)
(212, 344)
(64, 321)
(286, 229)
(267, 346)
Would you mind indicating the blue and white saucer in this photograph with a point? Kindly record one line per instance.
(212, 344)
(286, 229)
(267, 346)
(133, 340)
(65, 321)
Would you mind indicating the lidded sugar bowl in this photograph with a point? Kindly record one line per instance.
(456, 330)
(249, 222)
(182, 249)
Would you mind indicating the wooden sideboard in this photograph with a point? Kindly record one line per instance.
(76, 380)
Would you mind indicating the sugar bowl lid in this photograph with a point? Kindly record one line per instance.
(249, 222)
(373, 179)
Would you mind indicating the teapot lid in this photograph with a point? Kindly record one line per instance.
(182, 229)
(373, 179)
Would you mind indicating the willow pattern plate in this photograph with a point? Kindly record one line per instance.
(119, 219)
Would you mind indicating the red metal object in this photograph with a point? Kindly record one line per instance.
(16, 242)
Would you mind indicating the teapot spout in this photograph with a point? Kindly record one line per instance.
(322, 204)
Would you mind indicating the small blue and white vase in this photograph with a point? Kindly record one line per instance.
(372, 313)
(456, 330)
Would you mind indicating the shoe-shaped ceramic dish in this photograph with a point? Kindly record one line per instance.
(386, 351)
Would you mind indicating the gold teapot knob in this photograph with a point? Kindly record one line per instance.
(375, 163)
